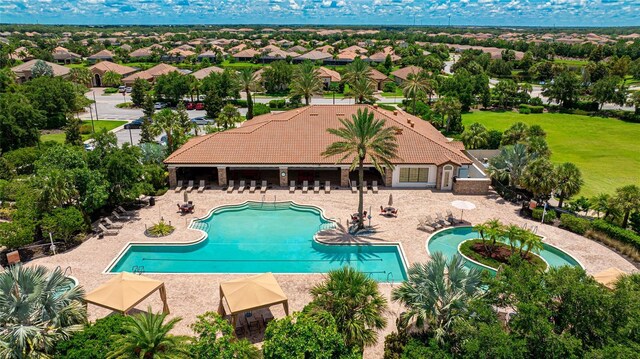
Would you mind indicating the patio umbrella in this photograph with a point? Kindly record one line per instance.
(462, 205)
(390, 200)
(186, 197)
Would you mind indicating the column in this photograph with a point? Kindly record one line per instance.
(388, 177)
(439, 177)
(222, 176)
(344, 177)
(173, 177)
(283, 174)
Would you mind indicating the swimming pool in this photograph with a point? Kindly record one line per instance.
(257, 237)
(448, 240)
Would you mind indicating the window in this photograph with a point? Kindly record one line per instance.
(414, 175)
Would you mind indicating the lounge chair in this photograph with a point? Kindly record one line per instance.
(422, 225)
(451, 218)
(327, 187)
(429, 221)
(118, 217)
(252, 187)
(263, 187)
(365, 188)
(292, 186)
(231, 186)
(190, 186)
(242, 186)
(305, 186)
(316, 187)
(107, 232)
(354, 187)
(201, 186)
(374, 187)
(124, 211)
(179, 187)
(112, 225)
(441, 219)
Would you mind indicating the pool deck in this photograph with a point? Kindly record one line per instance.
(192, 294)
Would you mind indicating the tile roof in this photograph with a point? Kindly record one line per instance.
(158, 70)
(247, 53)
(404, 72)
(314, 55)
(333, 75)
(58, 70)
(102, 54)
(104, 66)
(377, 75)
(298, 137)
(200, 74)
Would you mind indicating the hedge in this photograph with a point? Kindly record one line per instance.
(574, 224)
(260, 109)
(532, 109)
(548, 218)
(616, 232)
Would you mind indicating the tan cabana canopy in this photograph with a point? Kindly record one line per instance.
(124, 291)
(609, 277)
(245, 294)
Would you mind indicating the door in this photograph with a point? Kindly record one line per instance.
(447, 178)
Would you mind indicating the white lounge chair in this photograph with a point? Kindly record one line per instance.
(316, 187)
(113, 225)
(263, 187)
(374, 187)
(252, 187)
(179, 186)
(242, 186)
(327, 187)
(365, 188)
(292, 186)
(118, 217)
(231, 186)
(451, 218)
(201, 187)
(305, 186)
(422, 225)
(107, 232)
(441, 219)
(354, 187)
(190, 186)
(124, 211)
(429, 221)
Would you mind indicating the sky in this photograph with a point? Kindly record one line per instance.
(325, 12)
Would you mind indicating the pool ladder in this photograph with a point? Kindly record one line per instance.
(390, 281)
(137, 270)
(66, 270)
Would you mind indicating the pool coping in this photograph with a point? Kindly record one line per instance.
(204, 236)
(490, 268)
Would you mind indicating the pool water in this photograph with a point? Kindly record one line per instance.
(258, 238)
(448, 240)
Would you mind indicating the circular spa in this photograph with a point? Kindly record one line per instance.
(448, 241)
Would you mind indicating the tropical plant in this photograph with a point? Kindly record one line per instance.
(361, 90)
(355, 303)
(139, 91)
(475, 136)
(249, 81)
(81, 76)
(37, 310)
(364, 139)
(540, 179)
(510, 164)
(176, 126)
(160, 229)
(569, 181)
(415, 86)
(449, 109)
(111, 79)
(228, 117)
(356, 71)
(306, 81)
(40, 69)
(437, 293)
(147, 336)
(517, 132)
(215, 339)
(627, 199)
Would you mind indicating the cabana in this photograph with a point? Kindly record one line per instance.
(609, 277)
(125, 290)
(255, 292)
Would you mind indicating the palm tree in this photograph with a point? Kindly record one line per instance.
(148, 337)
(482, 228)
(532, 243)
(361, 139)
(249, 81)
(510, 164)
(495, 230)
(111, 79)
(569, 179)
(55, 189)
(361, 90)
(355, 303)
(306, 82)
(355, 71)
(80, 76)
(176, 126)
(437, 294)
(37, 310)
(515, 237)
(415, 85)
(538, 177)
(450, 109)
(603, 203)
(475, 136)
(228, 117)
(627, 199)
(194, 87)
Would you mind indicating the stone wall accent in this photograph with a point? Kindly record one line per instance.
(222, 176)
(439, 177)
(344, 177)
(284, 180)
(173, 177)
(471, 185)
(388, 177)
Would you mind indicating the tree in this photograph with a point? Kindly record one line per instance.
(249, 81)
(72, 132)
(277, 77)
(19, 122)
(174, 125)
(40, 69)
(356, 71)
(475, 136)
(518, 132)
(539, 178)
(608, 90)
(635, 101)
(172, 87)
(228, 117)
(215, 339)
(81, 76)
(388, 64)
(628, 200)
(569, 181)
(147, 336)
(361, 90)
(111, 79)
(139, 91)
(63, 223)
(54, 97)
(213, 104)
(355, 303)
(364, 139)
(416, 85)
(564, 89)
(94, 341)
(437, 294)
(146, 130)
(505, 93)
(7, 80)
(306, 81)
(449, 109)
(510, 164)
(37, 310)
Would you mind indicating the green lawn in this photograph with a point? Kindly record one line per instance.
(577, 63)
(106, 124)
(398, 93)
(606, 150)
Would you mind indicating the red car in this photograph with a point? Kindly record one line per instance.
(190, 105)
(199, 106)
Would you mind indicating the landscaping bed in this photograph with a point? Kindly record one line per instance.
(475, 249)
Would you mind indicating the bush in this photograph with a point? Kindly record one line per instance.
(260, 109)
(109, 90)
(549, 217)
(160, 229)
(616, 232)
(389, 86)
(86, 129)
(95, 341)
(63, 223)
(574, 224)
(536, 101)
(277, 104)
(524, 110)
(125, 105)
(7, 213)
(239, 103)
(387, 107)
(531, 108)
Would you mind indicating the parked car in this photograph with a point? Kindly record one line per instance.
(203, 121)
(199, 106)
(190, 105)
(128, 89)
(135, 124)
(122, 88)
(89, 146)
(159, 105)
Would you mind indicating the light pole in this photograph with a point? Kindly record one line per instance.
(130, 136)
(53, 246)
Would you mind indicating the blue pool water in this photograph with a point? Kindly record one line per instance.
(256, 238)
(447, 242)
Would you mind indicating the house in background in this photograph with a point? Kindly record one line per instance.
(23, 71)
(102, 55)
(202, 73)
(63, 56)
(328, 76)
(401, 75)
(98, 70)
(150, 74)
(378, 78)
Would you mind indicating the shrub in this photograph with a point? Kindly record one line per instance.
(389, 86)
(524, 110)
(549, 217)
(260, 109)
(531, 108)
(109, 90)
(277, 104)
(536, 101)
(387, 107)
(239, 103)
(125, 105)
(95, 341)
(616, 232)
(574, 224)
(160, 229)
(63, 223)
(86, 129)
(7, 213)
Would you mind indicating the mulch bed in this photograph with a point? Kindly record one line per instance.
(501, 252)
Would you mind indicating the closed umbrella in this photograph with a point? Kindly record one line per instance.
(390, 200)
(186, 197)
(462, 205)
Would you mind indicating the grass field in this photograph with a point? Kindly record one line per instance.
(606, 150)
(106, 124)
(571, 62)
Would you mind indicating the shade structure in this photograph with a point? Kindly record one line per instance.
(609, 277)
(462, 205)
(245, 294)
(122, 292)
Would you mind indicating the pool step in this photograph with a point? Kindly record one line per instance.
(203, 226)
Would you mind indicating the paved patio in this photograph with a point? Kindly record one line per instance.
(191, 295)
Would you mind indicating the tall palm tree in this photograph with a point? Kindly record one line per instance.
(80, 76)
(249, 81)
(306, 81)
(111, 79)
(37, 311)
(173, 124)
(355, 303)
(194, 87)
(569, 181)
(364, 139)
(450, 110)
(437, 294)
(510, 164)
(627, 199)
(532, 243)
(148, 337)
(475, 136)
(361, 90)
(539, 178)
(416, 85)
(355, 71)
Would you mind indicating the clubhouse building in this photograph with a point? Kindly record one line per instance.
(287, 146)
